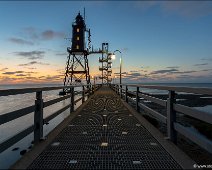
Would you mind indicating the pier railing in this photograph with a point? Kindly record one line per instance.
(171, 109)
(38, 107)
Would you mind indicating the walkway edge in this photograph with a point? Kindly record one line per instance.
(36, 150)
(178, 155)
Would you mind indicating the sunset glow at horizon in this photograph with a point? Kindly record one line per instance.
(160, 41)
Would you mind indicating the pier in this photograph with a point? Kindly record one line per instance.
(105, 132)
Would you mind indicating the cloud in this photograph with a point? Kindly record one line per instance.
(31, 72)
(185, 72)
(51, 77)
(183, 8)
(31, 32)
(144, 66)
(188, 8)
(122, 73)
(19, 71)
(31, 55)
(134, 71)
(32, 63)
(202, 64)
(173, 67)
(34, 34)
(20, 41)
(171, 71)
(31, 68)
(206, 70)
(9, 73)
(184, 76)
(21, 75)
(61, 54)
(50, 34)
(12, 72)
(135, 74)
(206, 59)
(3, 69)
(164, 71)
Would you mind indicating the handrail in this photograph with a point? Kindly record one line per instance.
(8, 92)
(39, 121)
(172, 108)
(16, 114)
(195, 90)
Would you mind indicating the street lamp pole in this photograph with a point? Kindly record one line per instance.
(120, 64)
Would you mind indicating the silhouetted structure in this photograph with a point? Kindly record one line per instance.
(106, 64)
(77, 67)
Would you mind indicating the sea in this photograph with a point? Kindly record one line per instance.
(15, 102)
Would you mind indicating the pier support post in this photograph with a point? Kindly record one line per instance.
(93, 89)
(120, 90)
(83, 94)
(89, 90)
(38, 117)
(72, 99)
(171, 117)
(126, 89)
(137, 99)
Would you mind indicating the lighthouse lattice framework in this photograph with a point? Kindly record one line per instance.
(77, 68)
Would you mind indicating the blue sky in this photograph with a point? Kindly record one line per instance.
(161, 41)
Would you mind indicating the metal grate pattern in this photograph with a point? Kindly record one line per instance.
(104, 136)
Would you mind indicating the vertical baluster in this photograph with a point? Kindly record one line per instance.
(137, 99)
(72, 99)
(38, 117)
(126, 89)
(121, 91)
(83, 94)
(171, 117)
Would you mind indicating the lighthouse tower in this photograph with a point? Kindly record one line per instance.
(78, 35)
(77, 69)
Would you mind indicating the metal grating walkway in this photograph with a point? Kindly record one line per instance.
(104, 135)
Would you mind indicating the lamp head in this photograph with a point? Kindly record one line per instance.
(113, 56)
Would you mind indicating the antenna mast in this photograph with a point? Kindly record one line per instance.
(84, 13)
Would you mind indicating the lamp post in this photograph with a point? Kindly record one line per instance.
(113, 57)
(94, 78)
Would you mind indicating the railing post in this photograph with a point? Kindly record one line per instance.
(38, 117)
(137, 99)
(93, 89)
(171, 117)
(72, 99)
(126, 89)
(89, 90)
(83, 94)
(121, 91)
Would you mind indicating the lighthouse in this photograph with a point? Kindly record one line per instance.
(78, 35)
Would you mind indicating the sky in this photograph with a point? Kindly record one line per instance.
(160, 41)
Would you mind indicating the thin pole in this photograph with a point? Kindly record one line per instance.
(120, 68)
(120, 64)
